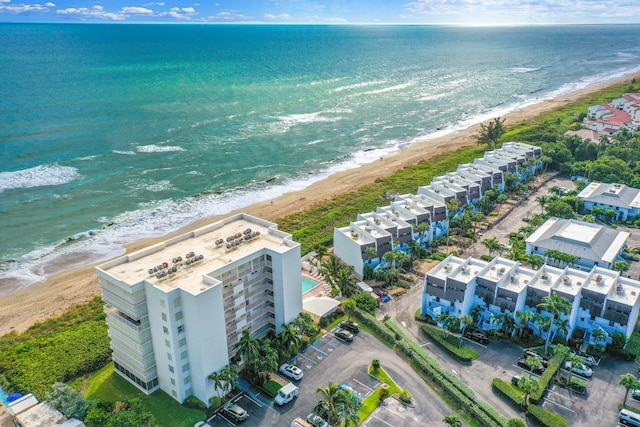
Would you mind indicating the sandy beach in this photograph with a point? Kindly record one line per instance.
(56, 295)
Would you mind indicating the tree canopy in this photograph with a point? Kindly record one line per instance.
(490, 133)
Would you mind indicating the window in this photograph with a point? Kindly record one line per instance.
(173, 381)
(165, 330)
(167, 343)
(180, 329)
(169, 356)
(174, 393)
(183, 355)
(187, 380)
(164, 316)
(162, 303)
(179, 315)
(182, 342)
(171, 369)
(176, 302)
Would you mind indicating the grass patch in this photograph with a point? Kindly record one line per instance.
(382, 375)
(106, 384)
(272, 387)
(450, 344)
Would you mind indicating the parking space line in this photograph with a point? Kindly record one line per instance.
(368, 388)
(249, 397)
(562, 406)
(475, 342)
(316, 348)
(327, 342)
(309, 359)
(380, 419)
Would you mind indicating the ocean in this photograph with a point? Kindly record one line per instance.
(110, 134)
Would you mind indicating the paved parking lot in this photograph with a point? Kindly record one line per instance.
(329, 359)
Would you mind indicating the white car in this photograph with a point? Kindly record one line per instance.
(291, 371)
(580, 369)
(316, 420)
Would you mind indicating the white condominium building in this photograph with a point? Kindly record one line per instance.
(176, 309)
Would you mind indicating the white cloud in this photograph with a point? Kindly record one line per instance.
(24, 8)
(281, 17)
(91, 12)
(184, 13)
(154, 3)
(134, 10)
(229, 16)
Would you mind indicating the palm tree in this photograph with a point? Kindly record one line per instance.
(414, 249)
(526, 230)
(466, 320)
(348, 305)
(321, 253)
(266, 363)
(389, 259)
(536, 261)
(528, 386)
(346, 281)
(230, 377)
(492, 244)
(497, 319)
(598, 335)
(556, 305)
(509, 324)
(476, 312)
(247, 347)
(330, 269)
(533, 363)
(443, 321)
(542, 200)
(524, 317)
(628, 381)
(563, 327)
(289, 339)
(422, 228)
(515, 253)
(370, 252)
(331, 406)
(453, 206)
(452, 421)
(573, 360)
(218, 380)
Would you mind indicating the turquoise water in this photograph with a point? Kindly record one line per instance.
(308, 284)
(115, 133)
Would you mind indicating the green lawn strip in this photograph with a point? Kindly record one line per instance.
(450, 343)
(546, 418)
(107, 385)
(512, 393)
(369, 405)
(382, 375)
(272, 387)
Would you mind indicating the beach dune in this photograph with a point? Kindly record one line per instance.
(55, 296)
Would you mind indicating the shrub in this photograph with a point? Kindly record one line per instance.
(547, 376)
(405, 396)
(375, 364)
(365, 301)
(215, 402)
(463, 354)
(193, 402)
(384, 393)
(438, 256)
(511, 393)
(516, 422)
(546, 418)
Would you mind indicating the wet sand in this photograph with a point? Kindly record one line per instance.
(55, 296)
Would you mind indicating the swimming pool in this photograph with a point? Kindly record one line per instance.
(308, 284)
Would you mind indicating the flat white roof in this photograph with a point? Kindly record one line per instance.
(210, 242)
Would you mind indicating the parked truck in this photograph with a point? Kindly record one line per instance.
(286, 394)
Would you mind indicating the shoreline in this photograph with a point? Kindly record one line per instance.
(57, 294)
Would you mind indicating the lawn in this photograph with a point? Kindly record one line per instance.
(373, 401)
(106, 384)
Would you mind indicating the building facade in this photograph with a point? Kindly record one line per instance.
(624, 200)
(176, 309)
(599, 298)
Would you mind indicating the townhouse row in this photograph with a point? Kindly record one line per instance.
(620, 113)
(600, 298)
(424, 216)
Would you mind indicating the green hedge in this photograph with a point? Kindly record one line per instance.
(509, 391)
(546, 418)
(547, 376)
(450, 384)
(463, 354)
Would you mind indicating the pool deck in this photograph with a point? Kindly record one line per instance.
(319, 290)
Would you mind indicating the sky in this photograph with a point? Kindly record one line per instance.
(465, 12)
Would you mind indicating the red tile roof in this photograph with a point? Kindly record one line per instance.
(618, 117)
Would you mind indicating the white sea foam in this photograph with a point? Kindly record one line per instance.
(425, 97)
(285, 123)
(389, 89)
(38, 176)
(125, 153)
(154, 148)
(524, 69)
(359, 85)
